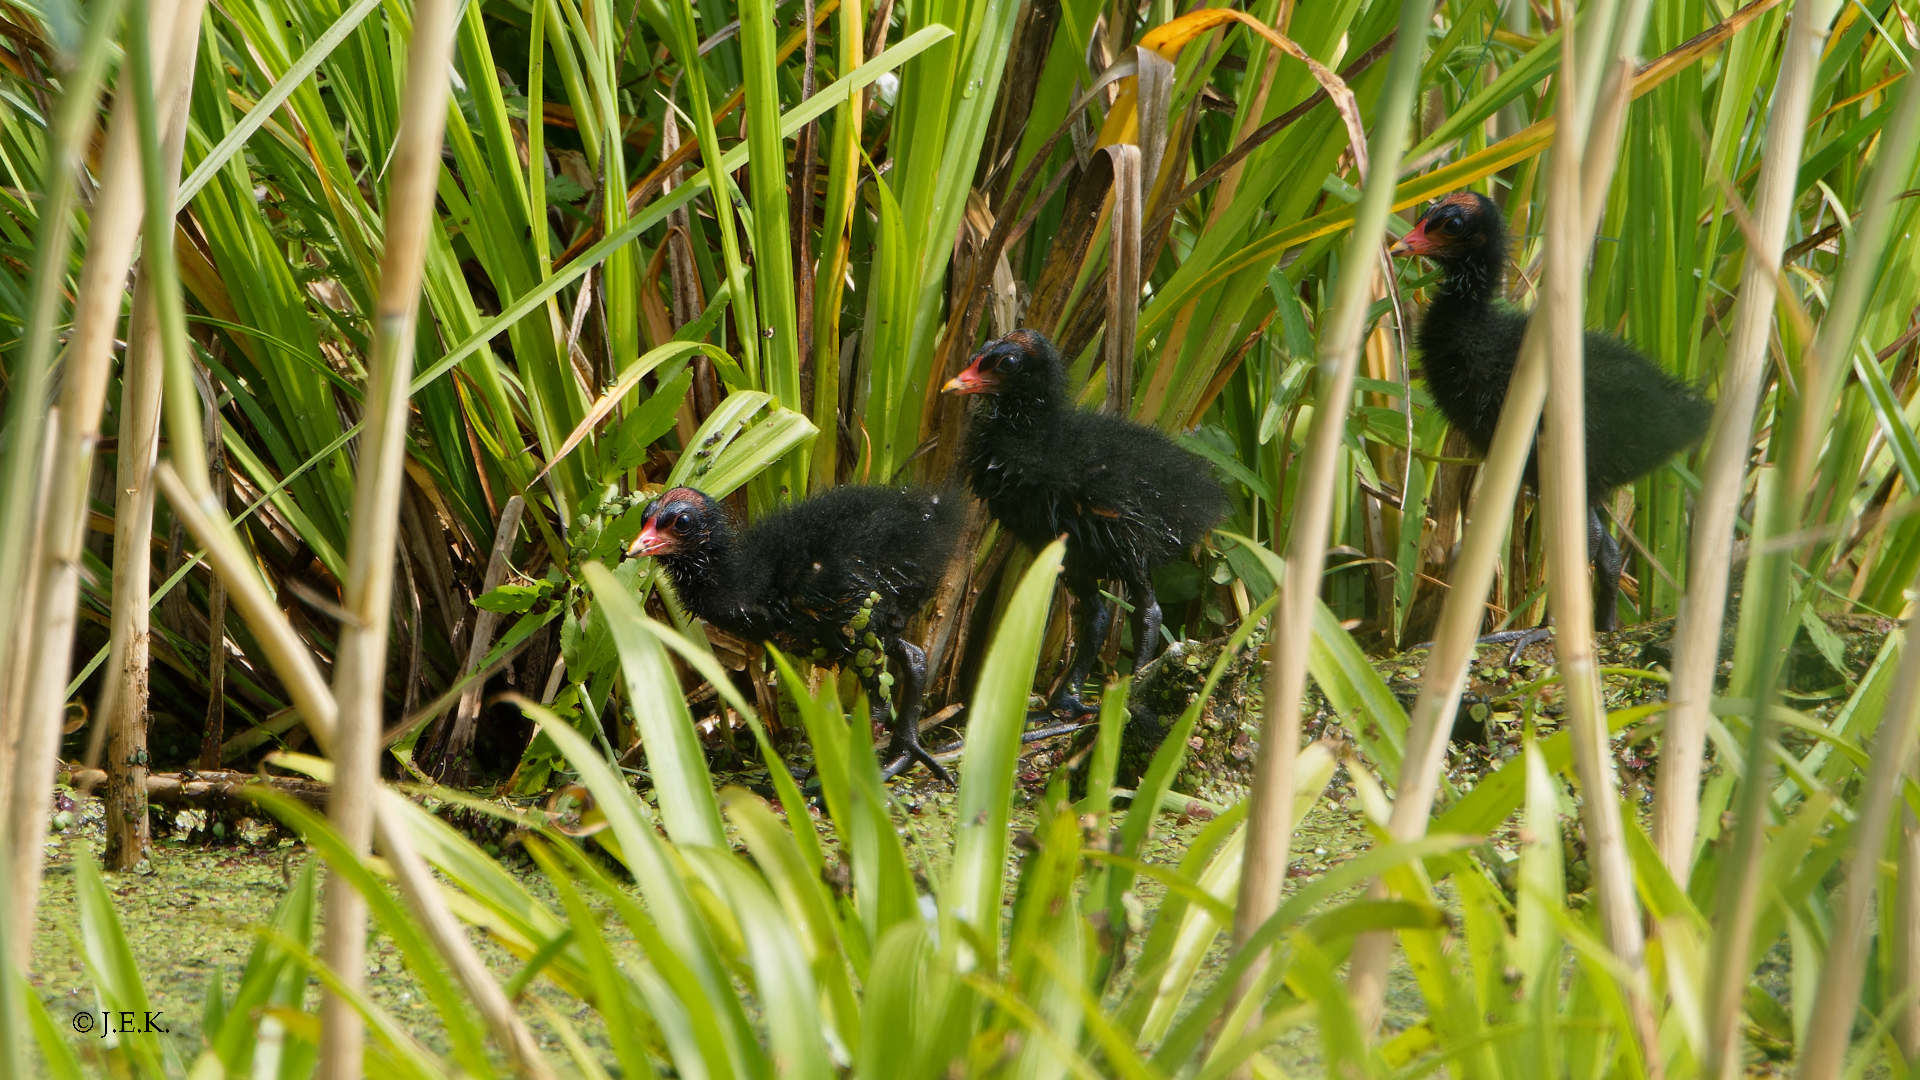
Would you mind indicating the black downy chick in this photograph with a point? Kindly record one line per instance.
(1637, 415)
(834, 577)
(1126, 496)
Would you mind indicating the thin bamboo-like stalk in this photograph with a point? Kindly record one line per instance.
(1829, 1032)
(142, 376)
(773, 268)
(836, 239)
(1905, 930)
(1461, 615)
(1123, 278)
(1269, 831)
(114, 229)
(1766, 599)
(19, 666)
(128, 832)
(27, 417)
(1696, 652)
(360, 668)
(1565, 513)
(284, 649)
(14, 1028)
(685, 44)
(1490, 517)
(213, 735)
(16, 665)
(422, 894)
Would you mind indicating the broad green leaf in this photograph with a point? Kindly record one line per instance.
(994, 722)
(783, 979)
(675, 759)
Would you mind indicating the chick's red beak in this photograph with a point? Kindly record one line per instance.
(971, 381)
(651, 541)
(1416, 242)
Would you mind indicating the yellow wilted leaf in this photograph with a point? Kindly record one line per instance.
(1167, 39)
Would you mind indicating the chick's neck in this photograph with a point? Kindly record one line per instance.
(1475, 277)
(699, 570)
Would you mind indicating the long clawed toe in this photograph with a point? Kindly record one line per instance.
(1065, 714)
(1081, 723)
(1606, 559)
(1064, 706)
(901, 759)
(1518, 639)
(904, 757)
(905, 749)
(1063, 717)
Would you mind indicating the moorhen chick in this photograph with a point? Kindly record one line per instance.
(834, 577)
(1637, 415)
(1127, 498)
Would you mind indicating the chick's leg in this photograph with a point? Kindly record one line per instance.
(1604, 552)
(1146, 622)
(1094, 616)
(909, 687)
(1607, 563)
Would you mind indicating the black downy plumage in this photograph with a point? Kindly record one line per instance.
(835, 577)
(1127, 498)
(1637, 415)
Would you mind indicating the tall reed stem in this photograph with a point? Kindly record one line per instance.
(1489, 519)
(1269, 830)
(1696, 649)
(1564, 498)
(1903, 926)
(1801, 426)
(128, 832)
(24, 462)
(142, 376)
(295, 666)
(360, 671)
(829, 283)
(114, 229)
(1828, 1034)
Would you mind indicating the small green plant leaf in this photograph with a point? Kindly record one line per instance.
(512, 599)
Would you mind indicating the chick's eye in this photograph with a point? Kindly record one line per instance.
(1453, 227)
(679, 523)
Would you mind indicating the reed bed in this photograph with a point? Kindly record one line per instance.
(441, 295)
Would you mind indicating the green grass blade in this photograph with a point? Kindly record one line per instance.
(682, 947)
(883, 888)
(603, 968)
(807, 905)
(263, 110)
(772, 241)
(783, 979)
(998, 712)
(61, 1062)
(536, 298)
(675, 759)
